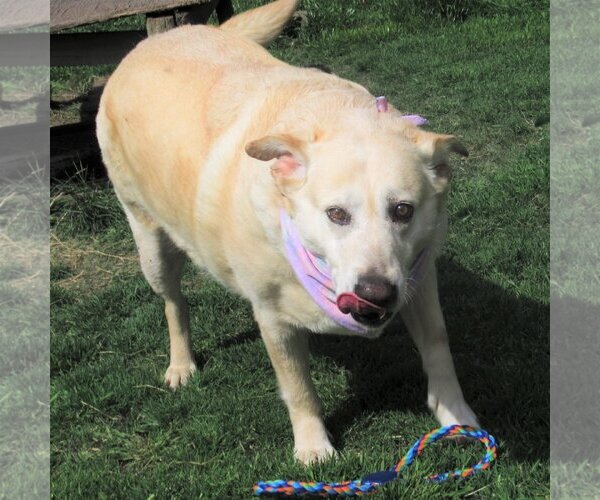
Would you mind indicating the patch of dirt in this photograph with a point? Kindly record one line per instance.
(85, 269)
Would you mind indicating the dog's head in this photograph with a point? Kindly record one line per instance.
(367, 192)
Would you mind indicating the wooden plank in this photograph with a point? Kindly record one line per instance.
(70, 13)
(18, 14)
(73, 49)
(24, 49)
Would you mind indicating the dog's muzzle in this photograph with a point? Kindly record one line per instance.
(362, 310)
(348, 310)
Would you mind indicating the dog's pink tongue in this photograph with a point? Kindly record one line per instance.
(350, 302)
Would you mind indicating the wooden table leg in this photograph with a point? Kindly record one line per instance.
(157, 22)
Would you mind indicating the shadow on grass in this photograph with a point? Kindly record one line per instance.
(500, 347)
(246, 336)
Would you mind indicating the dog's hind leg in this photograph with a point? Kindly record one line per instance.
(288, 350)
(162, 264)
(425, 322)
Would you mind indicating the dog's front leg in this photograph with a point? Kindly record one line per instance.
(288, 350)
(425, 322)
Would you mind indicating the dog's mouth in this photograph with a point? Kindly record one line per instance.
(361, 310)
(371, 319)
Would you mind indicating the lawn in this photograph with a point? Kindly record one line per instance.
(477, 69)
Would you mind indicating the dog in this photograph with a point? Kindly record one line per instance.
(322, 205)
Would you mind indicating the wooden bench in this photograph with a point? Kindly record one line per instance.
(76, 141)
(109, 47)
(72, 49)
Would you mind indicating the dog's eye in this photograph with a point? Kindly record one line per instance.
(338, 216)
(402, 212)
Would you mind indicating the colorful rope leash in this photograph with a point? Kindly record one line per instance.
(373, 482)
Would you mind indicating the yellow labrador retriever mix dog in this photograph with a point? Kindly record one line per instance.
(297, 189)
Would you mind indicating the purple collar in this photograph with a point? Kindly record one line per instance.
(315, 276)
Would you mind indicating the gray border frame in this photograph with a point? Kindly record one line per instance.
(24, 250)
(575, 248)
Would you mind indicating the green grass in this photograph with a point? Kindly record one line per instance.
(116, 431)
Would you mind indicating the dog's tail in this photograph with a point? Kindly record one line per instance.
(263, 23)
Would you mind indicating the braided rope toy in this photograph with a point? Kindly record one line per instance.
(372, 482)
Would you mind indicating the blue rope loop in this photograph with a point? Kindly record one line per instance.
(372, 482)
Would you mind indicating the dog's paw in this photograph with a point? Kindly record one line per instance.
(177, 375)
(458, 413)
(309, 455)
(311, 440)
(455, 412)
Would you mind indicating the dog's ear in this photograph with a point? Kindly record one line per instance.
(445, 144)
(436, 149)
(289, 171)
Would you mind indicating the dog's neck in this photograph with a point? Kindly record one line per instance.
(314, 274)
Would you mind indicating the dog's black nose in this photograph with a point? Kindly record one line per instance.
(376, 289)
